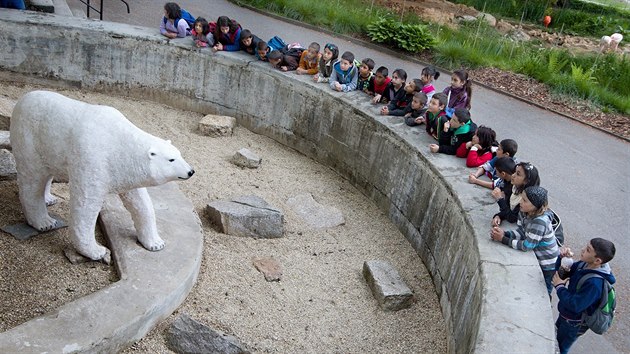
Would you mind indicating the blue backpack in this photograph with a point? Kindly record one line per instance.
(186, 16)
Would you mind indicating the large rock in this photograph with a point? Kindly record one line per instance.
(314, 214)
(217, 126)
(7, 165)
(387, 286)
(245, 158)
(249, 216)
(504, 26)
(491, 20)
(189, 336)
(6, 107)
(5, 140)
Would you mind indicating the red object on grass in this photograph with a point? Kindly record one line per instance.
(547, 21)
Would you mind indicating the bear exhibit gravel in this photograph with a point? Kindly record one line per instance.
(321, 303)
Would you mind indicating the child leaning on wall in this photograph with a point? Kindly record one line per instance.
(435, 117)
(397, 107)
(504, 168)
(201, 34)
(458, 131)
(414, 113)
(345, 74)
(481, 149)
(309, 60)
(534, 232)
(378, 82)
(227, 34)
(507, 147)
(525, 175)
(172, 24)
(328, 59)
(249, 42)
(395, 90)
(365, 74)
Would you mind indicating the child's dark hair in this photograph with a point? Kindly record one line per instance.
(205, 28)
(334, 49)
(348, 56)
(430, 71)
(462, 114)
(313, 45)
(509, 147)
(441, 97)
(531, 176)
(274, 55)
(369, 63)
(463, 77)
(422, 97)
(401, 74)
(382, 70)
(505, 164)
(224, 21)
(486, 136)
(604, 249)
(245, 34)
(173, 11)
(262, 45)
(417, 85)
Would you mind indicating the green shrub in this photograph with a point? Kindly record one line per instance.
(410, 37)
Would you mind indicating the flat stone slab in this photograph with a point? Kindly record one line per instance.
(152, 284)
(217, 126)
(186, 335)
(271, 268)
(245, 158)
(387, 286)
(41, 5)
(5, 140)
(249, 216)
(7, 165)
(314, 214)
(24, 231)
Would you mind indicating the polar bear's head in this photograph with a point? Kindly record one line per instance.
(167, 164)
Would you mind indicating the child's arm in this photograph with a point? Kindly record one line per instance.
(163, 29)
(332, 80)
(182, 28)
(462, 150)
(473, 159)
(236, 46)
(579, 301)
(527, 238)
(352, 85)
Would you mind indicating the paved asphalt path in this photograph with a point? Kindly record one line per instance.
(587, 172)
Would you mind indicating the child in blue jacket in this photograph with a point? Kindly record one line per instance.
(572, 302)
(344, 75)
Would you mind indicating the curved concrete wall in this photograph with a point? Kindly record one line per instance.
(493, 299)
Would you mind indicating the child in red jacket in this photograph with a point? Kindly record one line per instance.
(481, 149)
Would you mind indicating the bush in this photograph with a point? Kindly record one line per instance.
(411, 37)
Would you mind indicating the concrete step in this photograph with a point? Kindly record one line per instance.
(41, 5)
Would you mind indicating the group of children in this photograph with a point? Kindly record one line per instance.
(446, 116)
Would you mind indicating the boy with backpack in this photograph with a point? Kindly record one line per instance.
(176, 22)
(588, 302)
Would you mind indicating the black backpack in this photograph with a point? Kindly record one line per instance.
(601, 319)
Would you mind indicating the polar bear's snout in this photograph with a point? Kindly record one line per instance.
(190, 174)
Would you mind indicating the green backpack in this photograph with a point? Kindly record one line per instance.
(601, 319)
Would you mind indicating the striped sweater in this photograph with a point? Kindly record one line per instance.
(537, 234)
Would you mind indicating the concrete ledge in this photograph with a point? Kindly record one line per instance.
(487, 292)
(152, 284)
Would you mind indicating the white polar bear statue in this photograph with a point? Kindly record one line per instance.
(97, 151)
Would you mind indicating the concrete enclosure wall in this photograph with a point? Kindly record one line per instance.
(488, 294)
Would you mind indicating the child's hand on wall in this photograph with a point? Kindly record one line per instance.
(496, 221)
(498, 194)
(497, 233)
(472, 178)
(376, 99)
(419, 120)
(384, 110)
(434, 147)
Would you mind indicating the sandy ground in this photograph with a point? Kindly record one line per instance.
(322, 303)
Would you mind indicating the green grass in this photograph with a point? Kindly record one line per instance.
(600, 78)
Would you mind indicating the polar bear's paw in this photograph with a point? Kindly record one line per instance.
(96, 253)
(153, 245)
(50, 200)
(44, 224)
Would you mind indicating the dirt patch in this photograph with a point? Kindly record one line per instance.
(436, 11)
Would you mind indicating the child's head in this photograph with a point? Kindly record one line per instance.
(347, 60)
(399, 76)
(525, 175)
(438, 102)
(534, 201)
(225, 25)
(381, 75)
(505, 167)
(414, 85)
(429, 74)
(275, 57)
(172, 11)
(460, 117)
(507, 147)
(246, 37)
(419, 100)
(312, 51)
(367, 65)
(331, 52)
(201, 26)
(261, 49)
(598, 251)
(459, 80)
(485, 137)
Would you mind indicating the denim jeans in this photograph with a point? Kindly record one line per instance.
(568, 331)
(548, 275)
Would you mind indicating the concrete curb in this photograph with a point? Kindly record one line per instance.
(151, 286)
(406, 57)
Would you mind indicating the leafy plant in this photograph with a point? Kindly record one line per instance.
(383, 30)
(414, 38)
